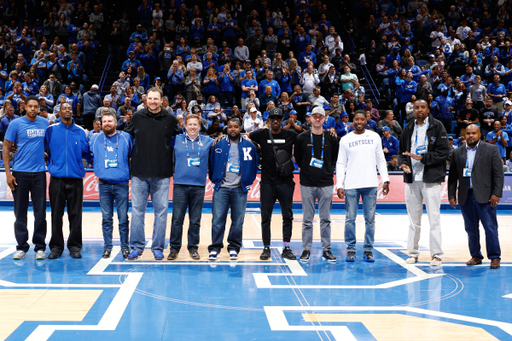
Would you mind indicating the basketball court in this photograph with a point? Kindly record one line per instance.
(100, 299)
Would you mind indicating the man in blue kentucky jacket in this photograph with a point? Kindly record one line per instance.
(232, 169)
(66, 144)
(112, 151)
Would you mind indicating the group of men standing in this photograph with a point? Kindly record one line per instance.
(145, 153)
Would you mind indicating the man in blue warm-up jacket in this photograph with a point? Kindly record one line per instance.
(232, 169)
(66, 144)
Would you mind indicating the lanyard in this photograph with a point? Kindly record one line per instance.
(198, 146)
(417, 127)
(117, 145)
(313, 149)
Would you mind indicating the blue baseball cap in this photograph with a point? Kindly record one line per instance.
(326, 107)
(386, 129)
(308, 114)
(343, 114)
(293, 112)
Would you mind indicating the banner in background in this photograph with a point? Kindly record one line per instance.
(396, 189)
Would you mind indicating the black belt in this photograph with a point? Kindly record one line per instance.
(106, 182)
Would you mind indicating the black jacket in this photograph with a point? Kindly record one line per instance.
(486, 175)
(435, 157)
(152, 154)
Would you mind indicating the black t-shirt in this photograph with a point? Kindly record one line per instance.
(468, 114)
(283, 141)
(488, 114)
(311, 176)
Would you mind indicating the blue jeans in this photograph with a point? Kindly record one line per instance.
(159, 190)
(369, 196)
(222, 200)
(108, 194)
(35, 185)
(473, 212)
(191, 197)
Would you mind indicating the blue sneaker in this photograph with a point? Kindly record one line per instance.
(134, 255)
(368, 257)
(351, 256)
(213, 255)
(158, 255)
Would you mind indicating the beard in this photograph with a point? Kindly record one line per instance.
(109, 130)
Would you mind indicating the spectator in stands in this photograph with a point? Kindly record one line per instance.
(7, 119)
(226, 83)
(488, 115)
(175, 79)
(389, 121)
(498, 137)
(91, 102)
(130, 62)
(127, 106)
(253, 122)
(389, 144)
(497, 92)
(309, 80)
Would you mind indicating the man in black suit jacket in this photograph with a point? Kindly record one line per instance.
(479, 171)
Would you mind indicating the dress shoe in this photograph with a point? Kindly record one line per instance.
(106, 254)
(125, 253)
(172, 255)
(474, 261)
(495, 263)
(75, 253)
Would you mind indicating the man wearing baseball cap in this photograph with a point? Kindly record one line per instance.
(316, 152)
(274, 185)
(389, 143)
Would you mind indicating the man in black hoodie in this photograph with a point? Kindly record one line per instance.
(151, 168)
(422, 156)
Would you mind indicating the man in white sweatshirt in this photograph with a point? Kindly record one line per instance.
(360, 153)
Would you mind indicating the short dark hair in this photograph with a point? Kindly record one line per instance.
(235, 119)
(32, 98)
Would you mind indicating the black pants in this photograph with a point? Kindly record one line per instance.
(35, 184)
(268, 196)
(88, 121)
(66, 192)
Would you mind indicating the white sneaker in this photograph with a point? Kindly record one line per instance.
(436, 261)
(40, 255)
(19, 255)
(411, 260)
(213, 255)
(233, 255)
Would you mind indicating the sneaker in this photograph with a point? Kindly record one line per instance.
(158, 255)
(18, 255)
(54, 254)
(40, 255)
(125, 253)
(351, 256)
(214, 255)
(106, 254)
(305, 256)
(411, 260)
(288, 254)
(265, 255)
(233, 255)
(328, 256)
(134, 255)
(436, 261)
(195, 255)
(172, 255)
(368, 257)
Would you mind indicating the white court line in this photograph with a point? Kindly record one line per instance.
(263, 279)
(193, 263)
(7, 252)
(149, 244)
(44, 285)
(276, 311)
(253, 217)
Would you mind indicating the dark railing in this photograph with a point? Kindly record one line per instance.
(104, 74)
(349, 44)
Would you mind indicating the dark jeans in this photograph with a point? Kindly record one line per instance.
(191, 197)
(109, 193)
(35, 184)
(447, 123)
(473, 212)
(226, 96)
(66, 192)
(268, 196)
(222, 200)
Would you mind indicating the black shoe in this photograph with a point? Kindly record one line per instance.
(328, 256)
(368, 257)
(106, 254)
(54, 254)
(195, 255)
(75, 253)
(288, 254)
(125, 253)
(305, 256)
(172, 255)
(265, 255)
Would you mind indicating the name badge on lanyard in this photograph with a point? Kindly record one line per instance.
(111, 163)
(466, 172)
(194, 161)
(317, 163)
(233, 168)
(421, 150)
